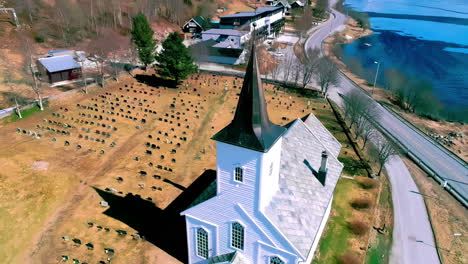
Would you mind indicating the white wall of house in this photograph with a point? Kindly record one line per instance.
(265, 20)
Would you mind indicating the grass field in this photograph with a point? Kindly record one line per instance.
(338, 239)
(52, 187)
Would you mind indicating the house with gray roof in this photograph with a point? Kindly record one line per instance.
(59, 68)
(273, 190)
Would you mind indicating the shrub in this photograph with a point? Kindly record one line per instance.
(348, 258)
(367, 183)
(39, 38)
(361, 203)
(357, 227)
(353, 167)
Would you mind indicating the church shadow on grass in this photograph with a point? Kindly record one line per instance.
(165, 228)
(155, 81)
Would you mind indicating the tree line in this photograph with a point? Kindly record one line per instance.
(70, 21)
(361, 116)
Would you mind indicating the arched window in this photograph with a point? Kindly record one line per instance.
(239, 174)
(237, 236)
(202, 243)
(276, 260)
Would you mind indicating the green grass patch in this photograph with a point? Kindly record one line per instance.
(25, 113)
(380, 252)
(334, 241)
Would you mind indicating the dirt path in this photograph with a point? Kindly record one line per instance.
(55, 220)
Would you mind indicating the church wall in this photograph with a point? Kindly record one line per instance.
(228, 157)
(192, 225)
(216, 217)
(268, 184)
(265, 252)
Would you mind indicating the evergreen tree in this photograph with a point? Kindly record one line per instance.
(175, 60)
(142, 36)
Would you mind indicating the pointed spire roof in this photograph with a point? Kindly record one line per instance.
(251, 128)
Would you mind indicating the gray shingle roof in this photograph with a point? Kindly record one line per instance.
(256, 12)
(299, 205)
(222, 31)
(59, 63)
(322, 133)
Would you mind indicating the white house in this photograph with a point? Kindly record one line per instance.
(273, 190)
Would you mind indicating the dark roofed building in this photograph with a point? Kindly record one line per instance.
(297, 4)
(59, 68)
(195, 25)
(286, 6)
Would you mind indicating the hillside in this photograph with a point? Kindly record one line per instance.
(77, 24)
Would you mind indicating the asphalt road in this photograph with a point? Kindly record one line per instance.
(413, 240)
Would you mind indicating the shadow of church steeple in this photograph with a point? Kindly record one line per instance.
(164, 228)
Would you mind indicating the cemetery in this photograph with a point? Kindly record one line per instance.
(132, 147)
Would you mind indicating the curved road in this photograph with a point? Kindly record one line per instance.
(413, 238)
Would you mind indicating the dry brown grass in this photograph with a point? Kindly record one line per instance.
(367, 183)
(349, 258)
(447, 216)
(358, 227)
(60, 200)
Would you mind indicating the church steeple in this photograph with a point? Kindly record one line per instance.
(251, 128)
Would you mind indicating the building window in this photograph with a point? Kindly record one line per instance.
(202, 243)
(239, 174)
(271, 169)
(276, 260)
(237, 236)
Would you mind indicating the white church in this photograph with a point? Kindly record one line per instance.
(273, 191)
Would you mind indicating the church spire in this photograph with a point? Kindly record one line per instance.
(251, 128)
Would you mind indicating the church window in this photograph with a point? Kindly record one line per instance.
(239, 174)
(276, 260)
(202, 243)
(237, 236)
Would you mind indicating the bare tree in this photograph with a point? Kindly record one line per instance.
(105, 47)
(382, 150)
(36, 87)
(327, 74)
(298, 68)
(366, 130)
(359, 109)
(275, 70)
(310, 66)
(288, 66)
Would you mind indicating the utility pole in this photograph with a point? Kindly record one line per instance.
(376, 74)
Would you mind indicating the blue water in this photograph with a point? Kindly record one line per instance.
(424, 39)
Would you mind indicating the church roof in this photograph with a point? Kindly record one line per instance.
(251, 128)
(322, 133)
(299, 206)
